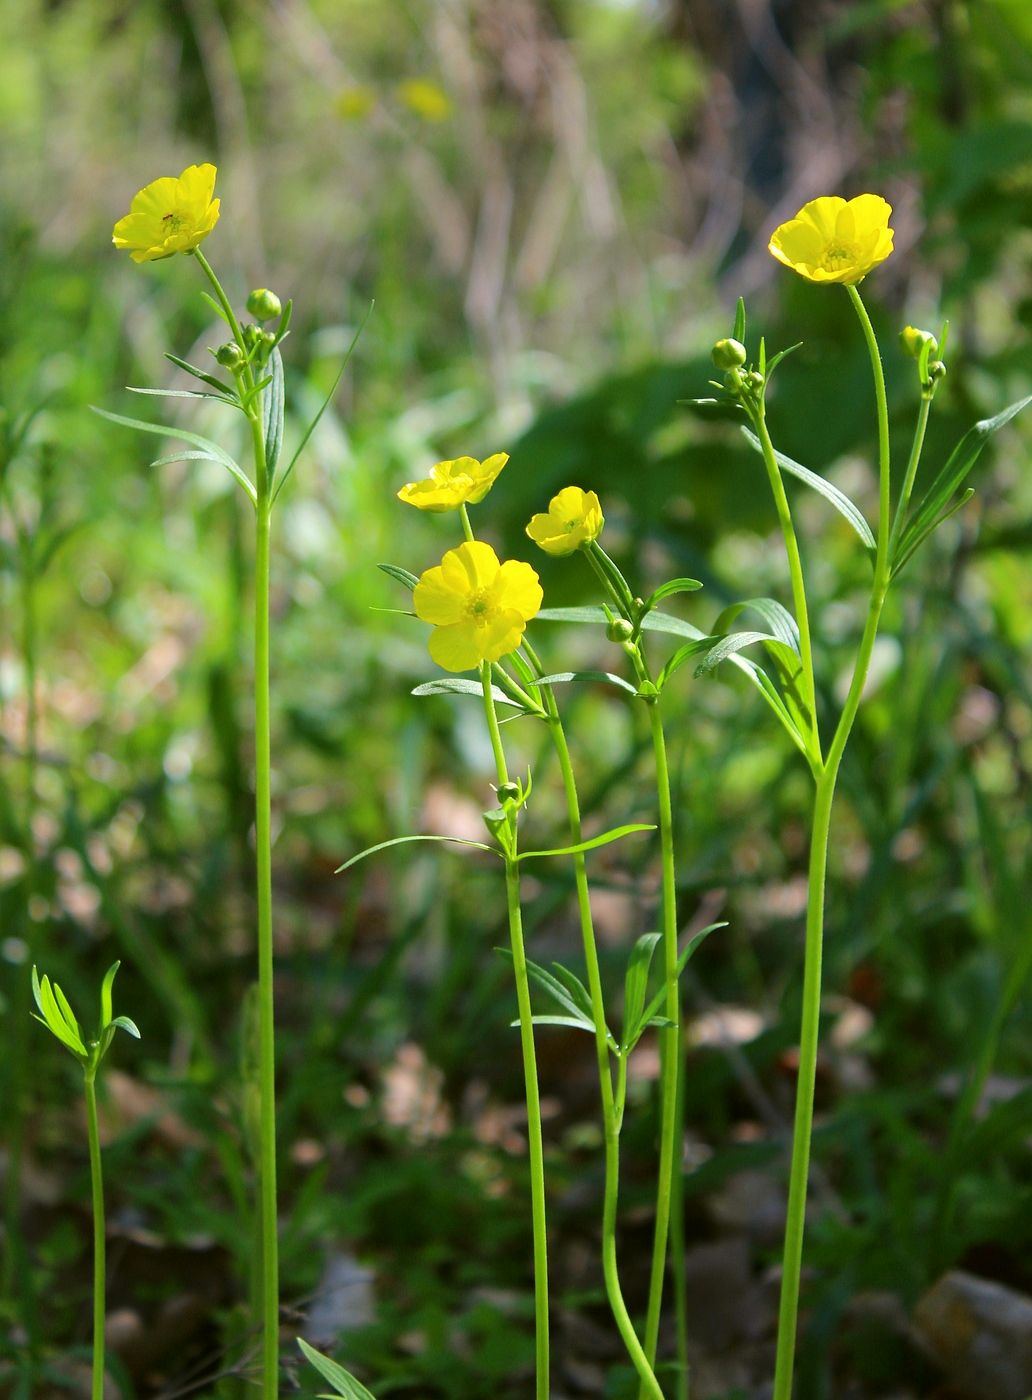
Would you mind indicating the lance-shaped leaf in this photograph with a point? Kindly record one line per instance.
(403, 576)
(404, 840)
(105, 994)
(651, 1012)
(636, 980)
(342, 1381)
(832, 494)
(780, 621)
(604, 840)
(202, 375)
(182, 394)
(667, 590)
(603, 677)
(272, 413)
(458, 686)
(937, 503)
(208, 449)
(565, 989)
(57, 1015)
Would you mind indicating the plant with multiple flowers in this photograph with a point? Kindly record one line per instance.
(479, 609)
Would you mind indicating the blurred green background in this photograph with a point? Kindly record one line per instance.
(553, 206)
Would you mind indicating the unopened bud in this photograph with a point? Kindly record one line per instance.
(734, 381)
(264, 305)
(619, 630)
(728, 354)
(936, 370)
(755, 379)
(230, 356)
(509, 792)
(913, 341)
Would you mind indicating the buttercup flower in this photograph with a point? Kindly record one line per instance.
(478, 606)
(574, 518)
(169, 216)
(835, 240)
(452, 484)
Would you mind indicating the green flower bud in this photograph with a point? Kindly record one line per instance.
(264, 305)
(913, 341)
(230, 356)
(250, 336)
(728, 354)
(637, 604)
(734, 381)
(755, 379)
(266, 340)
(936, 370)
(509, 792)
(619, 630)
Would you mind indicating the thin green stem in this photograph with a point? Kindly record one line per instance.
(530, 1078)
(610, 1119)
(99, 1282)
(795, 566)
(823, 803)
(670, 1043)
(227, 307)
(467, 528)
(266, 1000)
(900, 519)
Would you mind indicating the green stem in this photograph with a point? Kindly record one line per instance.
(795, 566)
(97, 1186)
(530, 1077)
(823, 803)
(610, 1117)
(227, 307)
(266, 1001)
(467, 528)
(911, 472)
(670, 1044)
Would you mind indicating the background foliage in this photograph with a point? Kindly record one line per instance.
(553, 206)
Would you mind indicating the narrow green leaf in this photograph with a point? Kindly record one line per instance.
(917, 540)
(105, 994)
(457, 686)
(182, 394)
(739, 331)
(127, 1025)
(322, 408)
(727, 646)
(342, 1381)
(667, 590)
(211, 449)
(636, 979)
(832, 494)
(66, 1011)
(215, 307)
(395, 571)
(36, 991)
(202, 375)
(653, 1008)
(961, 460)
(780, 621)
(55, 1022)
(272, 414)
(604, 677)
(775, 360)
(683, 654)
(403, 840)
(574, 1022)
(578, 992)
(603, 840)
(560, 994)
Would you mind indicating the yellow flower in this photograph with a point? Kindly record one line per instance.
(169, 216)
(832, 240)
(453, 484)
(479, 607)
(574, 518)
(425, 99)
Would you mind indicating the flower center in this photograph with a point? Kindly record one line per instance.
(479, 608)
(172, 223)
(837, 256)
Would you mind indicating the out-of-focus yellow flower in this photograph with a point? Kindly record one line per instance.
(574, 518)
(463, 481)
(169, 215)
(478, 606)
(835, 240)
(425, 98)
(354, 103)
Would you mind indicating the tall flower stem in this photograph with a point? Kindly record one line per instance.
(268, 1208)
(266, 1004)
(99, 1240)
(530, 1078)
(610, 1114)
(670, 1044)
(826, 778)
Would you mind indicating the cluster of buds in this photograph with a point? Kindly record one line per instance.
(730, 355)
(923, 347)
(263, 305)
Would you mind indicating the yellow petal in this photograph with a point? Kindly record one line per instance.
(485, 475)
(196, 187)
(456, 648)
(870, 212)
(469, 568)
(823, 214)
(501, 635)
(436, 601)
(518, 589)
(434, 496)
